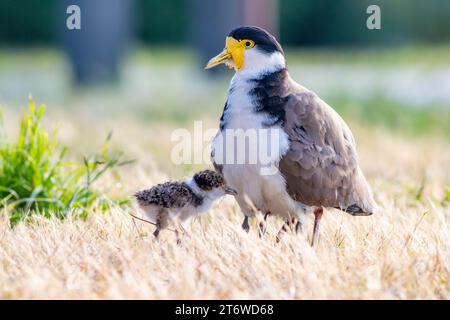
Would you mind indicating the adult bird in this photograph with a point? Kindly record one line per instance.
(315, 163)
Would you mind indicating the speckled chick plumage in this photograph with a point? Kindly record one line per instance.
(181, 199)
(169, 195)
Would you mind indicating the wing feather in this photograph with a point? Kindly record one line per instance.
(321, 167)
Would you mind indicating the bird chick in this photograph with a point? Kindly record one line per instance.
(182, 200)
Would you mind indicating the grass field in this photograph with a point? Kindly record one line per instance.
(403, 252)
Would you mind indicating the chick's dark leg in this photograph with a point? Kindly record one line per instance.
(158, 225)
(161, 222)
(179, 231)
(177, 235)
(317, 216)
(245, 224)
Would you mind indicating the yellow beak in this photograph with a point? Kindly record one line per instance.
(234, 50)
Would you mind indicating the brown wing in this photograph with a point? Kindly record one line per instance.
(321, 166)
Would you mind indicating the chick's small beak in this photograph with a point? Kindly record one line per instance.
(230, 191)
(234, 50)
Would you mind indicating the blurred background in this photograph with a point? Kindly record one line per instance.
(143, 59)
(136, 68)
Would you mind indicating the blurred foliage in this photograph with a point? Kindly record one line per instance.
(433, 55)
(168, 23)
(380, 111)
(32, 21)
(36, 177)
(306, 22)
(328, 22)
(447, 194)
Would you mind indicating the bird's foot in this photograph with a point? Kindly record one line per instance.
(245, 224)
(282, 231)
(262, 229)
(298, 227)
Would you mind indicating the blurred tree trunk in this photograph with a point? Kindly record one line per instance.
(211, 22)
(261, 13)
(95, 51)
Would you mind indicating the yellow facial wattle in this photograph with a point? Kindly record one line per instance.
(234, 50)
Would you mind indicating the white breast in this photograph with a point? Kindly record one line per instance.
(239, 113)
(260, 182)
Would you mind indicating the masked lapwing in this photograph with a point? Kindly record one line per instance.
(315, 163)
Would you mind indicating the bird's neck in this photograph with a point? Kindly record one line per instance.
(205, 198)
(257, 68)
(195, 188)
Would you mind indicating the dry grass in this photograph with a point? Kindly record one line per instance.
(401, 253)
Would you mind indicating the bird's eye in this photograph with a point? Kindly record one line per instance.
(248, 44)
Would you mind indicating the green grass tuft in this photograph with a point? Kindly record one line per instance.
(35, 176)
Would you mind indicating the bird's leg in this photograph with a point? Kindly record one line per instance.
(317, 216)
(283, 229)
(262, 229)
(262, 225)
(177, 235)
(179, 231)
(245, 224)
(287, 225)
(158, 226)
(298, 227)
(296, 224)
